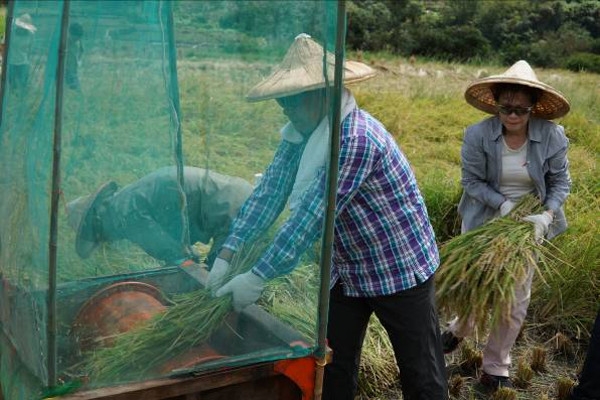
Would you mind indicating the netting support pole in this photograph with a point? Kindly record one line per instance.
(173, 90)
(322, 351)
(55, 197)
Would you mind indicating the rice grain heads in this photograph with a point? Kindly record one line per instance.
(480, 268)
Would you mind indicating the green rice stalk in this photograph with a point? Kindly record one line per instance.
(504, 393)
(563, 388)
(480, 268)
(191, 319)
(293, 299)
(378, 371)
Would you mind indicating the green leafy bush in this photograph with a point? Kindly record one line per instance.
(451, 43)
(583, 62)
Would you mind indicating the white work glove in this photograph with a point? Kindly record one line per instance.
(216, 275)
(541, 223)
(246, 288)
(506, 207)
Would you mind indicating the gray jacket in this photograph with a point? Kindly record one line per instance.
(547, 165)
(150, 211)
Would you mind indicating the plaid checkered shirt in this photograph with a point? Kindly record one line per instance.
(383, 240)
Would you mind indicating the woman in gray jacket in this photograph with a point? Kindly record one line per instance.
(516, 152)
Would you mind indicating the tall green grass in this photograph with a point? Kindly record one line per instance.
(423, 107)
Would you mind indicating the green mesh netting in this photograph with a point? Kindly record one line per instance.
(100, 96)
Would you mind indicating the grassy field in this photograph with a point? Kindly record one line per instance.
(423, 107)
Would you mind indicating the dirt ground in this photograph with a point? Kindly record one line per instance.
(550, 361)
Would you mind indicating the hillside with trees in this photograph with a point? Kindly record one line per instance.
(548, 33)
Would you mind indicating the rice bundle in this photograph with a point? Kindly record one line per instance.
(378, 371)
(188, 322)
(293, 299)
(480, 268)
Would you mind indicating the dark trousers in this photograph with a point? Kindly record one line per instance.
(589, 380)
(410, 319)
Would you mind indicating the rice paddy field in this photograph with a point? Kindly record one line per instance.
(423, 107)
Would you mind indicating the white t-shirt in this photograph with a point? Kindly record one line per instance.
(515, 181)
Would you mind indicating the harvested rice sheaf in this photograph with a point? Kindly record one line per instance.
(188, 322)
(480, 268)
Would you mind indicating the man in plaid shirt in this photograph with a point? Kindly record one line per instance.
(384, 250)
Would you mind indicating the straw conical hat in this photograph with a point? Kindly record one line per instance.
(551, 104)
(25, 22)
(80, 216)
(302, 70)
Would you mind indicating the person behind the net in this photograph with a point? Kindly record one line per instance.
(384, 250)
(150, 212)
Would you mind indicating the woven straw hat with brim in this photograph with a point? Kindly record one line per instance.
(81, 212)
(302, 70)
(25, 22)
(550, 105)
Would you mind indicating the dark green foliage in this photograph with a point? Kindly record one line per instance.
(586, 13)
(61, 390)
(371, 23)
(583, 62)
(258, 20)
(545, 32)
(459, 43)
(261, 19)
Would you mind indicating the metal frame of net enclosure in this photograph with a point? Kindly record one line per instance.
(113, 113)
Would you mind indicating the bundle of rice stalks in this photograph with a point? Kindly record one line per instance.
(538, 359)
(456, 385)
(562, 345)
(523, 375)
(563, 388)
(504, 393)
(471, 358)
(378, 371)
(480, 268)
(188, 322)
(293, 299)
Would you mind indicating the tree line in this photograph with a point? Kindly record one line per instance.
(548, 33)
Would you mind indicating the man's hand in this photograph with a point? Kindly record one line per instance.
(541, 223)
(506, 208)
(217, 274)
(246, 288)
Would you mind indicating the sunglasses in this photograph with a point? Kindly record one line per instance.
(507, 110)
